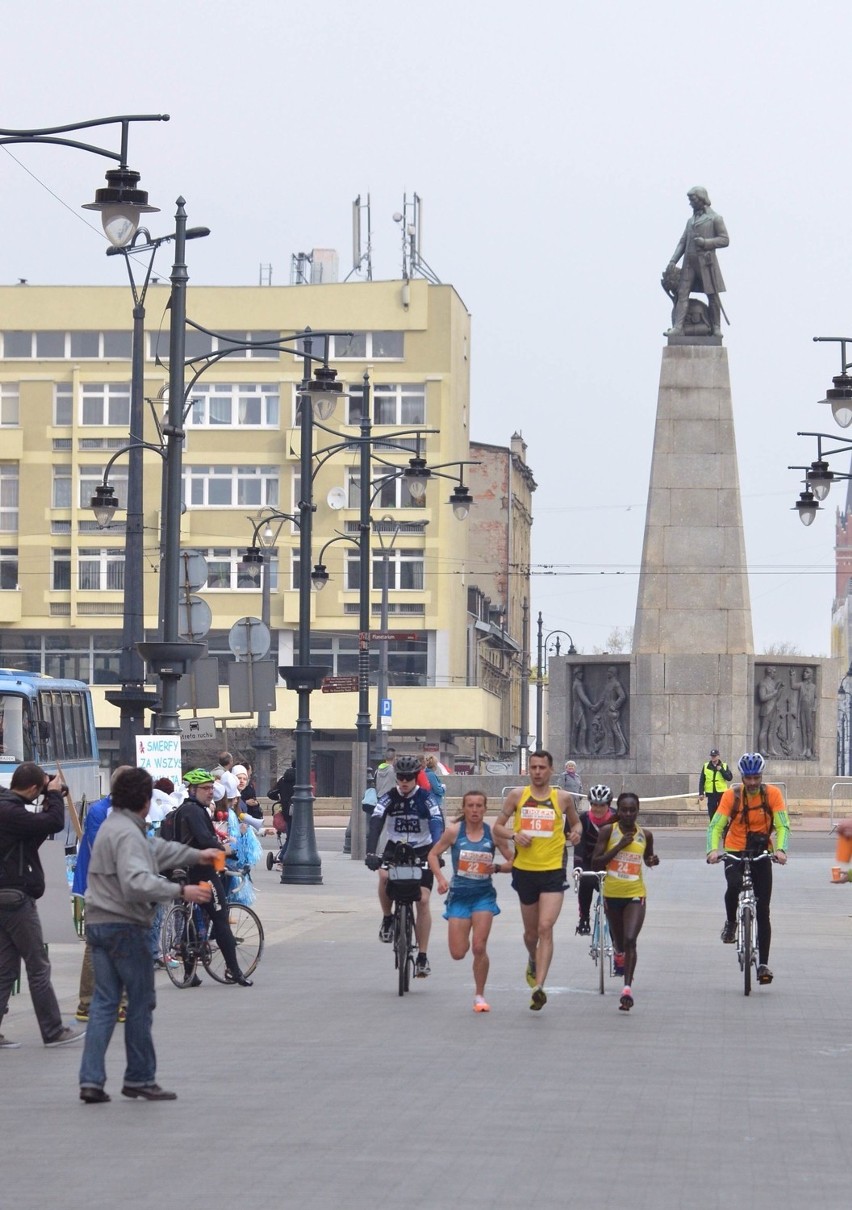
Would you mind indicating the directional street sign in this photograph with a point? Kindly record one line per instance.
(198, 728)
(340, 684)
(389, 636)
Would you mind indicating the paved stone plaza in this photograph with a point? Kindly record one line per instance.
(320, 1087)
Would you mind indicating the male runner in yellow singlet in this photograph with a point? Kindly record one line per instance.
(535, 817)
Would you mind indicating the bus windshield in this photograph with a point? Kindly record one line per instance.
(16, 742)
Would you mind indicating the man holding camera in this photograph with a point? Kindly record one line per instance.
(22, 833)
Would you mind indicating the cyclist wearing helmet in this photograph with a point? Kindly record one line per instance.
(193, 826)
(600, 812)
(745, 819)
(405, 814)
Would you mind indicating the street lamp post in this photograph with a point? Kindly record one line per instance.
(120, 204)
(259, 555)
(540, 673)
(170, 657)
(415, 475)
(301, 862)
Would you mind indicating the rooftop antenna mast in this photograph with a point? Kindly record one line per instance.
(362, 253)
(300, 268)
(411, 221)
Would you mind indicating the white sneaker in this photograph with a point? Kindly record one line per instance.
(8, 1044)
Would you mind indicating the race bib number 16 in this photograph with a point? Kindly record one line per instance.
(537, 821)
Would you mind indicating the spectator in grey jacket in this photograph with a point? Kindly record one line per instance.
(124, 888)
(571, 779)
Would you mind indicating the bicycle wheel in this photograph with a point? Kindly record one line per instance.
(604, 945)
(400, 945)
(248, 934)
(179, 943)
(747, 925)
(409, 932)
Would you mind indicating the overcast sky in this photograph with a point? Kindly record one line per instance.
(553, 144)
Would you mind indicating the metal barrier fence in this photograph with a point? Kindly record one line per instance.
(838, 785)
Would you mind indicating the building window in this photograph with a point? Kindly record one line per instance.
(60, 570)
(105, 403)
(202, 344)
(61, 497)
(393, 403)
(91, 477)
(407, 661)
(231, 486)
(387, 490)
(371, 346)
(59, 346)
(229, 340)
(9, 404)
(63, 404)
(8, 497)
(234, 405)
(100, 570)
(8, 568)
(405, 570)
(226, 570)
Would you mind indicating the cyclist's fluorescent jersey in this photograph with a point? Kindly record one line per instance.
(415, 819)
(473, 861)
(543, 822)
(752, 816)
(624, 873)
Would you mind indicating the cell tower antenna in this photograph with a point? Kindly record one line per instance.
(362, 249)
(411, 221)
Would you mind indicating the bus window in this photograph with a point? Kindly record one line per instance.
(46, 750)
(15, 737)
(71, 748)
(81, 728)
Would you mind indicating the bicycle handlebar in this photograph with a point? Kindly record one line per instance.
(579, 874)
(742, 857)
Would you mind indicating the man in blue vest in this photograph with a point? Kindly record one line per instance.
(713, 781)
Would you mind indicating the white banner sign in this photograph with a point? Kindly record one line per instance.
(160, 755)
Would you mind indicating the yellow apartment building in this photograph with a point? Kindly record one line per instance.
(64, 411)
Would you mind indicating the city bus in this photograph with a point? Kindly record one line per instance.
(49, 721)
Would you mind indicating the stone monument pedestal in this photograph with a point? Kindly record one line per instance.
(690, 682)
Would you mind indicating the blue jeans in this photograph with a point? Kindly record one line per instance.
(122, 958)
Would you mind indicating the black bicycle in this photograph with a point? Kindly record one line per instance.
(403, 888)
(186, 938)
(747, 918)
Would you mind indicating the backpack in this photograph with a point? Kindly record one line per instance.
(756, 842)
(168, 825)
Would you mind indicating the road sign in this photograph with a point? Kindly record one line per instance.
(197, 728)
(340, 684)
(385, 713)
(390, 636)
(194, 618)
(249, 637)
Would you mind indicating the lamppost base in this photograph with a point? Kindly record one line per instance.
(301, 874)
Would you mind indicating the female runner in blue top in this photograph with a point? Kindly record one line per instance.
(472, 902)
